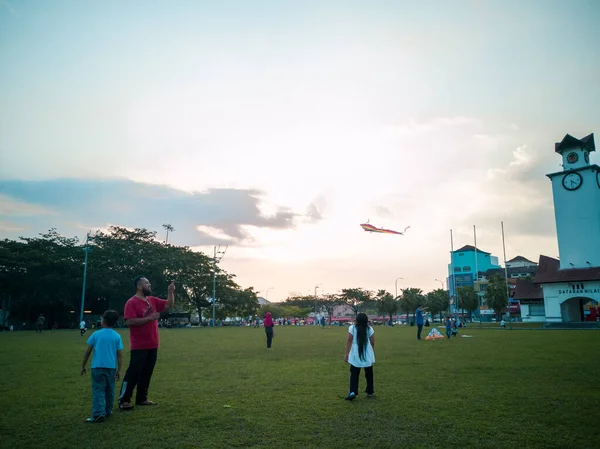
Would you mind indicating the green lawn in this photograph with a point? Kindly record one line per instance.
(221, 388)
(496, 325)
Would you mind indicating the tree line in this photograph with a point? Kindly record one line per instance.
(44, 274)
(382, 302)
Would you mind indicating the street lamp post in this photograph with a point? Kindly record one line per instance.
(214, 298)
(396, 285)
(221, 254)
(449, 295)
(316, 287)
(86, 250)
(267, 293)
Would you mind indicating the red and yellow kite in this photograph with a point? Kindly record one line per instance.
(370, 228)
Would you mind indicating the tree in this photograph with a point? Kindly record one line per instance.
(495, 295)
(355, 298)
(168, 228)
(241, 303)
(410, 299)
(329, 302)
(387, 304)
(274, 308)
(437, 301)
(295, 312)
(40, 275)
(304, 302)
(283, 310)
(468, 299)
(44, 275)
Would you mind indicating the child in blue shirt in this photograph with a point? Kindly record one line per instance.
(106, 366)
(448, 327)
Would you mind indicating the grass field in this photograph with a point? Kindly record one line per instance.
(497, 389)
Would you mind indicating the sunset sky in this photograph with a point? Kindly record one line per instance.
(277, 127)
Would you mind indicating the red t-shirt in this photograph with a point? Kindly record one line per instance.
(145, 336)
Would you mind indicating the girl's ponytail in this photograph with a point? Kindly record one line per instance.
(362, 326)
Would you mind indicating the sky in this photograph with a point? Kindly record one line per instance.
(276, 128)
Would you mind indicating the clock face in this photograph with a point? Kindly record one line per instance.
(572, 157)
(586, 156)
(572, 181)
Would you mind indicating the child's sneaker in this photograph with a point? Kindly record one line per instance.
(96, 419)
(350, 397)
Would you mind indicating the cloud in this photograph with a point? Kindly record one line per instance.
(9, 207)
(199, 218)
(436, 124)
(383, 212)
(516, 193)
(9, 7)
(522, 158)
(6, 226)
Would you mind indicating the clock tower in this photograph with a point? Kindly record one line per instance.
(576, 193)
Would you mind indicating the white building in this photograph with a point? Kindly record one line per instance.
(569, 287)
(263, 301)
(520, 262)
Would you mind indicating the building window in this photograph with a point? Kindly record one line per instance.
(457, 269)
(466, 269)
(537, 310)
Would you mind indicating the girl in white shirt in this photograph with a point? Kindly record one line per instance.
(360, 354)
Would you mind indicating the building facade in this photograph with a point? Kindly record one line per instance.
(520, 262)
(464, 262)
(569, 287)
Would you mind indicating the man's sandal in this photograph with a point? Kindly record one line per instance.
(146, 402)
(126, 406)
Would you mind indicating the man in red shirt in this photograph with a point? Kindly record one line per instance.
(142, 313)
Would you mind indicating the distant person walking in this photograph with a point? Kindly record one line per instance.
(142, 313)
(106, 366)
(39, 324)
(420, 320)
(82, 328)
(269, 329)
(448, 327)
(360, 353)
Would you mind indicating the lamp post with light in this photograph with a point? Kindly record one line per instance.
(217, 252)
(316, 287)
(396, 285)
(86, 250)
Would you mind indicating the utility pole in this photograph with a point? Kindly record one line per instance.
(86, 250)
(506, 277)
(217, 252)
(453, 295)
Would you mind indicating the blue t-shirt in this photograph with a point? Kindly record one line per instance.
(419, 316)
(106, 343)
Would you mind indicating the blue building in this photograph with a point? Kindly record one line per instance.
(462, 267)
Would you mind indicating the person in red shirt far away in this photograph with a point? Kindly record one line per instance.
(142, 312)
